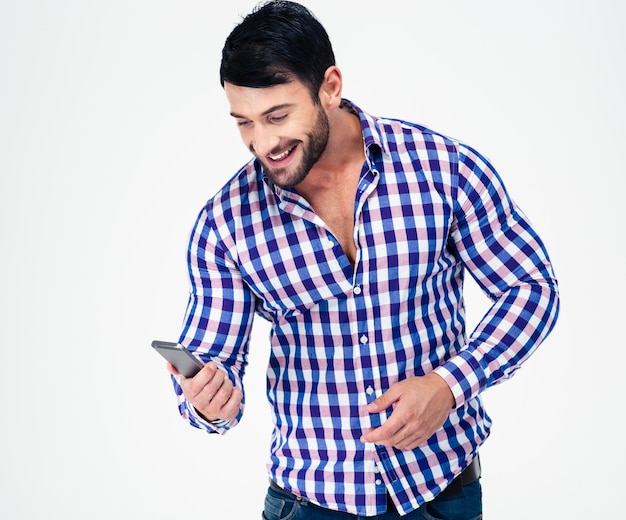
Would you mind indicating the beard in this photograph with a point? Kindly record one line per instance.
(312, 150)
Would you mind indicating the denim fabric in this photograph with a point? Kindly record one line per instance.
(465, 505)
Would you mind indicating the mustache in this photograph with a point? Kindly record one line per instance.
(277, 150)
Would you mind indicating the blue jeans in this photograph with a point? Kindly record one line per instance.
(464, 505)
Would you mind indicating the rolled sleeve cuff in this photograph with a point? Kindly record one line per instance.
(219, 426)
(464, 375)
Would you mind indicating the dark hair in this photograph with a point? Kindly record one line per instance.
(277, 42)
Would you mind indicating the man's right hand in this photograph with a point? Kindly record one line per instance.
(211, 393)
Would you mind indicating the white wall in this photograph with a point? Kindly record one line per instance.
(113, 132)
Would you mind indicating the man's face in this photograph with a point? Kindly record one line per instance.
(282, 127)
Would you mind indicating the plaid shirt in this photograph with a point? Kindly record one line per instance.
(427, 209)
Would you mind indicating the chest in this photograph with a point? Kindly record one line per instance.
(297, 256)
(337, 213)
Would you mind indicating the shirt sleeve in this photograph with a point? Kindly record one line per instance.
(503, 253)
(219, 315)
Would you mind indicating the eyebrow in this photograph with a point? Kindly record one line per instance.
(268, 111)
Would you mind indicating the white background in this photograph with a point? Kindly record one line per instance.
(114, 131)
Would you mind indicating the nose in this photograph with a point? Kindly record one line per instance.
(264, 140)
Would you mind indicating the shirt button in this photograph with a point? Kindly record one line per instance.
(357, 290)
(378, 482)
(369, 390)
(363, 339)
(376, 469)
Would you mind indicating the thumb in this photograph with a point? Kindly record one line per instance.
(383, 402)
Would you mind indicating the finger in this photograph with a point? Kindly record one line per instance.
(411, 443)
(220, 392)
(384, 401)
(172, 369)
(404, 438)
(230, 409)
(204, 374)
(385, 433)
(193, 386)
(207, 373)
(204, 389)
(407, 439)
(223, 404)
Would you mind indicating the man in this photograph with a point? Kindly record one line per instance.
(351, 234)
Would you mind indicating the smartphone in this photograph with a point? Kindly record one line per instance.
(183, 360)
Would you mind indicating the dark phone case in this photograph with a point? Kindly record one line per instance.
(183, 360)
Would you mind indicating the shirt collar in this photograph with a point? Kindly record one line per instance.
(373, 137)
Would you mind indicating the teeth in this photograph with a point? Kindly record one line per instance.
(281, 156)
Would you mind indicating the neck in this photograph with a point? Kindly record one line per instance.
(343, 156)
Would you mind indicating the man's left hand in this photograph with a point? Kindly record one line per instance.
(420, 407)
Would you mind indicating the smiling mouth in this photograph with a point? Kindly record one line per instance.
(283, 155)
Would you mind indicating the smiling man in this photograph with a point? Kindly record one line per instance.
(352, 234)
(286, 162)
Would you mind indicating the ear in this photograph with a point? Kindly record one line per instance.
(331, 89)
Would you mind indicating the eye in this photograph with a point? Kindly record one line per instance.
(243, 122)
(277, 119)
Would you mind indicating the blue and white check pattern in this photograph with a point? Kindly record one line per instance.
(428, 209)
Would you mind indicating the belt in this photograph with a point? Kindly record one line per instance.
(467, 476)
